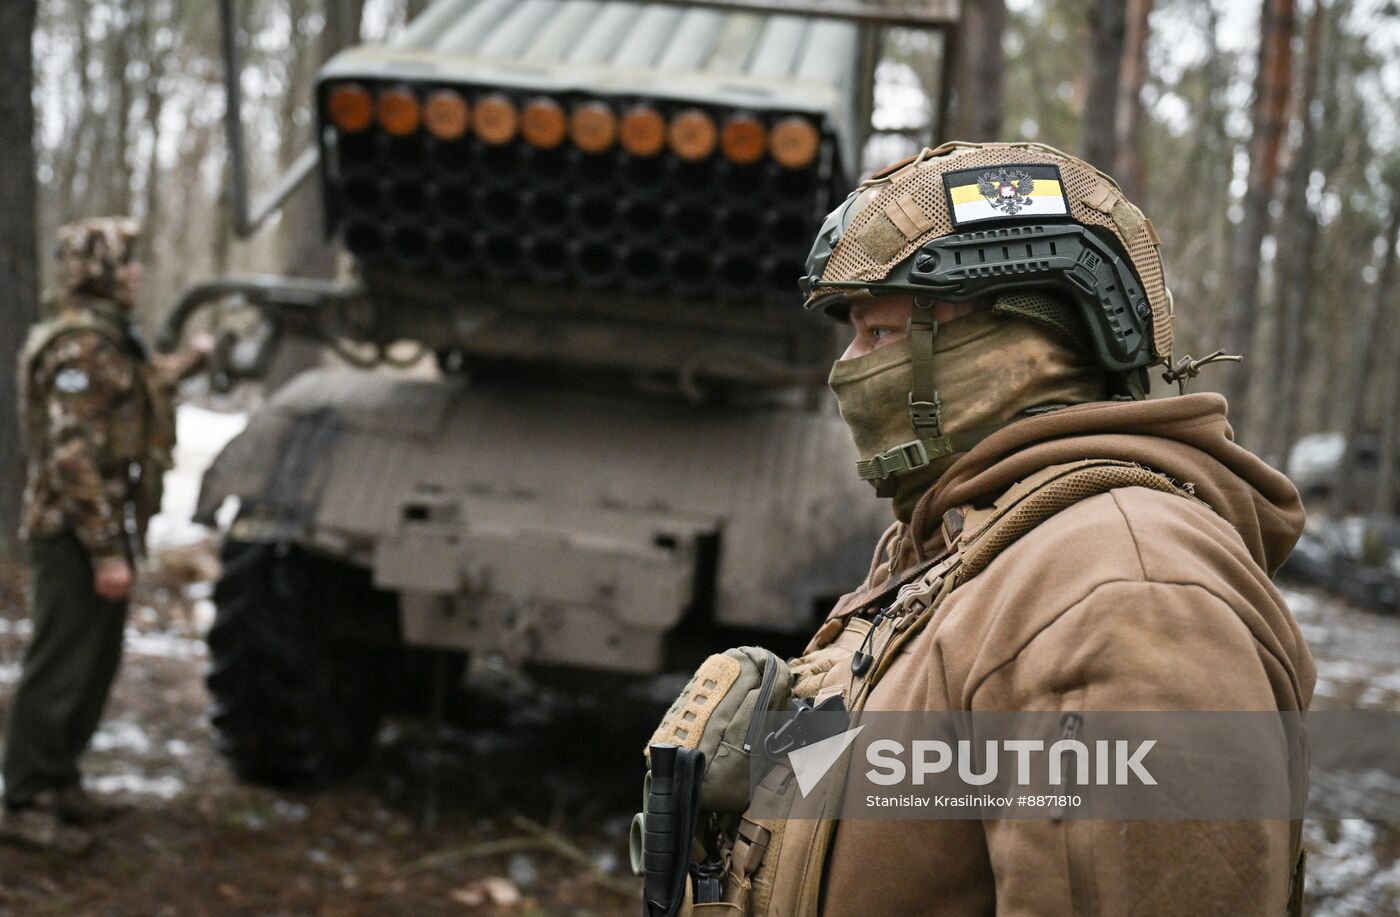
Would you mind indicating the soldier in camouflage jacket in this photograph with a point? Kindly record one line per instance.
(99, 429)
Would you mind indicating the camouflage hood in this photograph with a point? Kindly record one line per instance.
(91, 255)
(1186, 437)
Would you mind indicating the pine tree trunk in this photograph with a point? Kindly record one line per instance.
(118, 196)
(1365, 346)
(82, 123)
(1127, 160)
(1384, 504)
(1107, 25)
(18, 252)
(1297, 270)
(155, 50)
(981, 72)
(1269, 114)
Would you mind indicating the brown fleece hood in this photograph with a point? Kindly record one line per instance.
(1187, 438)
(1133, 599)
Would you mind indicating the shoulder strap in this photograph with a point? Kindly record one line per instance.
(1028, 503)
(979, 535)
(41, 337)
(45, 334)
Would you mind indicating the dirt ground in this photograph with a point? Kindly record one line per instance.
(518, 816)
(503, 820)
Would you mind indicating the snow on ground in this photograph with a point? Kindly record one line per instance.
(1352, 867)
(21, 628)
(1357, 652)
(201, 435)
(121, 733)
(1350, 874)
(163, 787)
(164, 644)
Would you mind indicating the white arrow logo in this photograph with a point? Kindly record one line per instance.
(810, 763)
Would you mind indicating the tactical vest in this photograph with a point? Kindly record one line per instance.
(774, 866)
(141, 426)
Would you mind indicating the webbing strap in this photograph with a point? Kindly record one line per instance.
(917, 453)
(925, 410)
(1036, 498)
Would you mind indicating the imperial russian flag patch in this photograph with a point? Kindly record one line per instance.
(1000, 192)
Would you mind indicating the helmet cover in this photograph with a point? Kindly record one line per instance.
(965, 221)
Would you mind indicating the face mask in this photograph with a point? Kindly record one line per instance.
(987, 369)
(872, 393)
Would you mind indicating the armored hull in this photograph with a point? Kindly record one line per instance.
(552, 525)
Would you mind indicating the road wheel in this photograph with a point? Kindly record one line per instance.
(294, 706)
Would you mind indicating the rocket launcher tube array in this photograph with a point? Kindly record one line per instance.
(571, 187)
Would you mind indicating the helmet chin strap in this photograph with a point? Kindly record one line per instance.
(925, 408)
(925, 414)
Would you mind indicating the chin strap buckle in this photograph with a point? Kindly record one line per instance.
(917, 453)
(926, 416)
(887, 464)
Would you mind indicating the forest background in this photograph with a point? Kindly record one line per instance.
(1259, 135)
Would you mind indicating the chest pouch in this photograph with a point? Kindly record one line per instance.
(720, 713)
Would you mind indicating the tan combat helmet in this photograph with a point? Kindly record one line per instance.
(967, 221)
(92, 252)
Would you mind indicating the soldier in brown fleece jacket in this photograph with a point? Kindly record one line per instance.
(1082, 548)
(1131, 599)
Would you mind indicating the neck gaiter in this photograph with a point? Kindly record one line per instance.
(987, 369)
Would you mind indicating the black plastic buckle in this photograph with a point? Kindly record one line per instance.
(796, 731)
(707, 882)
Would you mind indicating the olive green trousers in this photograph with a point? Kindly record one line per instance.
(69, 667)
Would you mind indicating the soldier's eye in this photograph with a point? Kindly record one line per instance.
(879, 334)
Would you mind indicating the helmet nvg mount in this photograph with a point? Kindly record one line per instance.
(967, 221)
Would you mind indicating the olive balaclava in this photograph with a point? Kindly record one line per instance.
(989, 368)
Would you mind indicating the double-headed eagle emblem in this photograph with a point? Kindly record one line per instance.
(1006, 190)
